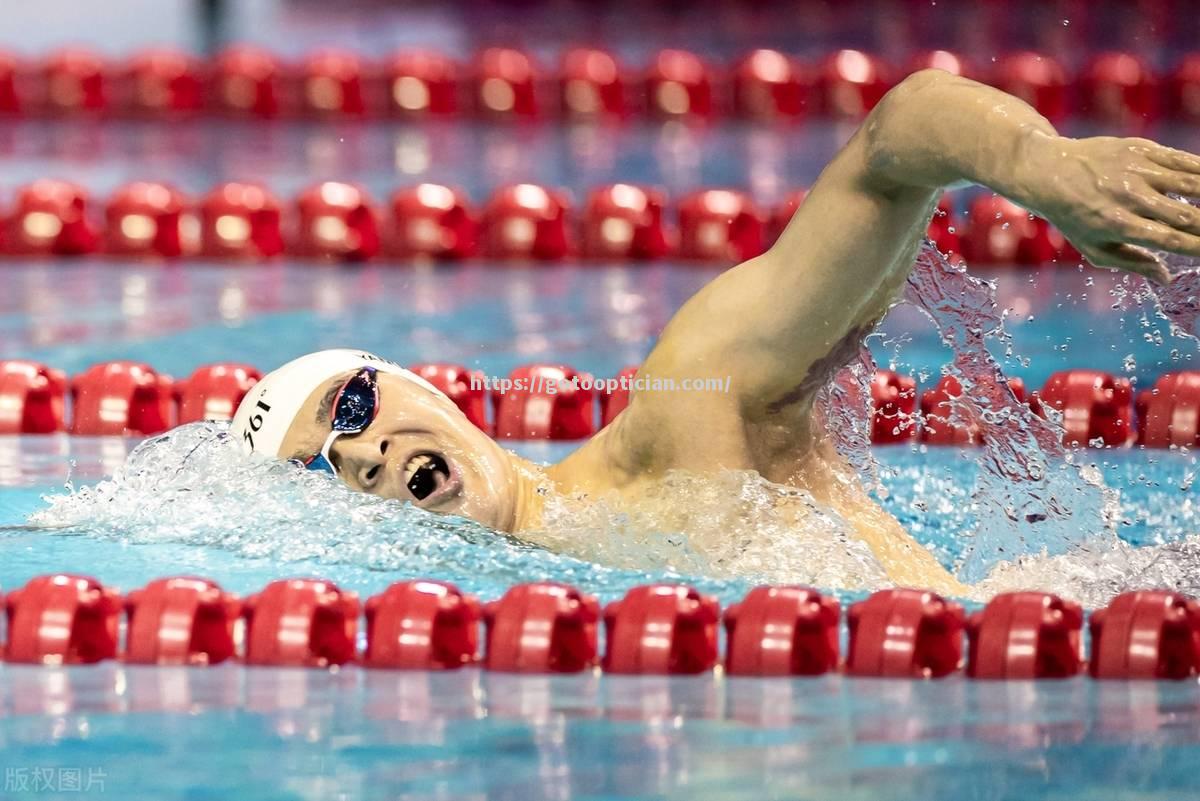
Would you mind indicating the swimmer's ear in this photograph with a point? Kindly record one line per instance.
(1131, 258)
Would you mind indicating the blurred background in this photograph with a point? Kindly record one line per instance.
(798, 75)
(1158, 29)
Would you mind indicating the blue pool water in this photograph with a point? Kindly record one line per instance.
(277, 734)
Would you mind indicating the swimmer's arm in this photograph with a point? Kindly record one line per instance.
(779, 325)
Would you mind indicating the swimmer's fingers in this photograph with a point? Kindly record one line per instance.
(1153, 235)
(1167, 181)
(1130, 258)
(1174, 213)
(1174, 159)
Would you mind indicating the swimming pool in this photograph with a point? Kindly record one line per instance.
(184, 507)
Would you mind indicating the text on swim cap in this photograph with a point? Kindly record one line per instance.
(256, 423)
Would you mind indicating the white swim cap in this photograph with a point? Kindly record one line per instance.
(269, 408)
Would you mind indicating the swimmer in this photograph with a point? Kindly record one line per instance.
(779, 325)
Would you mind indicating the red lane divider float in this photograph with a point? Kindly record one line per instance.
(333, 84)
(340, 221)
(661, 629)
(851, 82)
(1025, 635)
(50, 218)
(548, 627)
(422, 625)
(464, 387)
(146, 219)
(161, 82)
(593, 84)
(1001, 232)
(624, 222)
(301, 623)
(1169, 413)
(782, 631)
(526, 221)
(557, 402)
(1149, 634)
(542, 628)
(337, 221)
(1037, 78)
(946, 61)
(679, 85)
(214, 391)
(32, 398)
(120, 399)
(720, 225)
(546, 402)
(180, 621)
(240, 222)
(1095, 406)
(894, 401)
(248, 81)
(904, 634)
(939, 425)
(431, 221)
(1120, 89)
(507, 84)
(421, 82)
(1182, 93)
(771, 86)
(62, 620)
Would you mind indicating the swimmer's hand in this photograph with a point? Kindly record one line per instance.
(1110, 197)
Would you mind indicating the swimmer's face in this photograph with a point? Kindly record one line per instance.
(420, 448)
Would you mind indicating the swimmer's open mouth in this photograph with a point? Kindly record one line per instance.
(428, 476)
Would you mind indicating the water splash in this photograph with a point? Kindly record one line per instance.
(1028, 491)
(1028, 497)
(1037, 514)
(731, 524)
(194, 486)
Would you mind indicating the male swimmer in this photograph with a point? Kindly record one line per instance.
(780, 325)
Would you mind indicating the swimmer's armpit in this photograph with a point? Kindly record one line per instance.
(818, 375)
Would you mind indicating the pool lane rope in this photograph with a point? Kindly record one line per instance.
(548, 627)
(558, 402)
(339, 221)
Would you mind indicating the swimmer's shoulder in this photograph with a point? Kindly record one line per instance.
(615, 458)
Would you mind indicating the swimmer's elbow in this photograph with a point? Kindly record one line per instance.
(895, 135)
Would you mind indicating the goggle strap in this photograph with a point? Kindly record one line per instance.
(327, 448)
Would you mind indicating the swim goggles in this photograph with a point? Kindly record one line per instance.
(354, 408)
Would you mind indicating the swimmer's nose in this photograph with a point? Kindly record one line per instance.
(363, 460)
